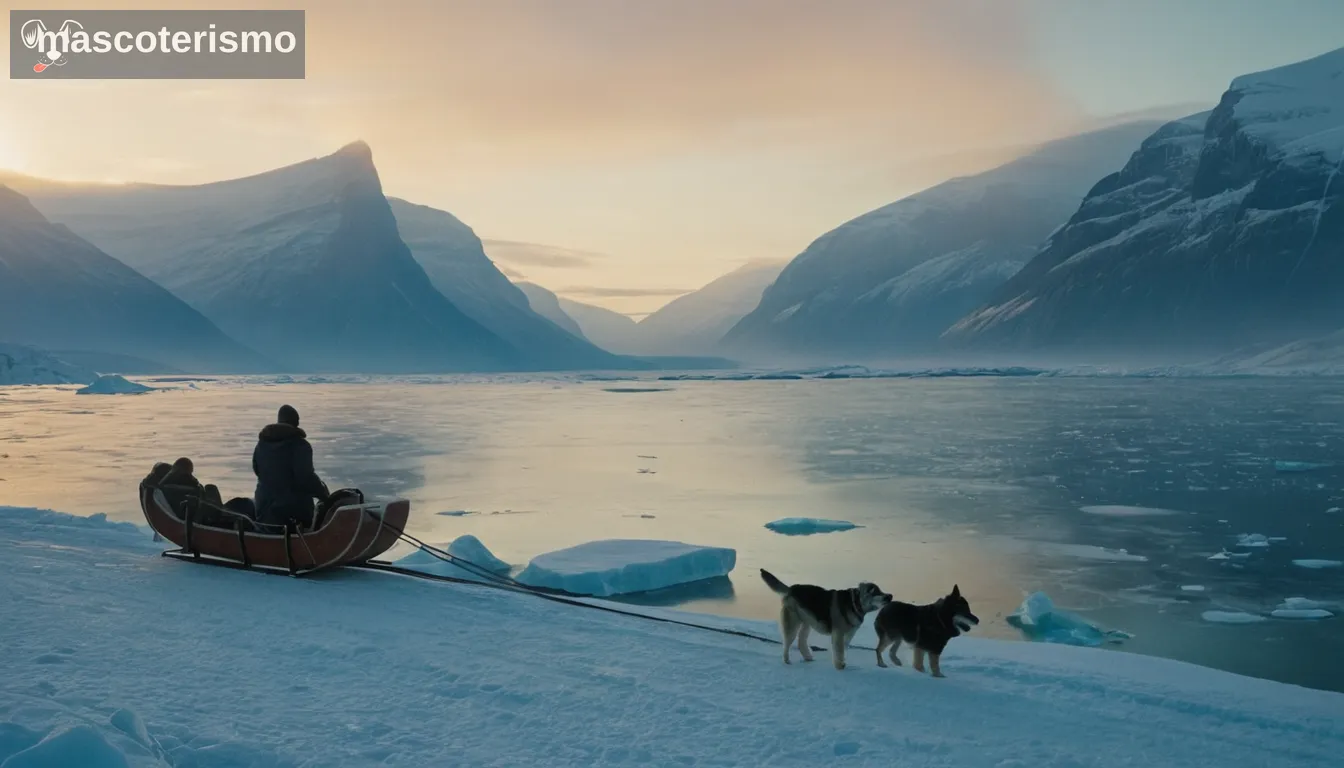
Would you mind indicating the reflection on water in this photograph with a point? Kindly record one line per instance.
(979, 482)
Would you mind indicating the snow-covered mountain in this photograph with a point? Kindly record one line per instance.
(695, 323)
(1225, 230)
(547, 304)
(609, 330)
(454, 259)
(891, 281)
(305, 263)
(59, 292)
(25, 365)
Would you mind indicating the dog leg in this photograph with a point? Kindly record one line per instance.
(933, 665)
(802, 642)
(838, 649)
(788, 629)
(919, 659)
(882, 644)
(895, 646)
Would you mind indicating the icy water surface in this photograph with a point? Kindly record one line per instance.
(1109, 494)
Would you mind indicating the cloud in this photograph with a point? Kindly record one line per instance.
(621, 293)
(538, 255)
(509, 272)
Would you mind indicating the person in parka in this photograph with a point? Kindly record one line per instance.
(287, 484)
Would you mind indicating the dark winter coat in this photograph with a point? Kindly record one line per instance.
(286, 480)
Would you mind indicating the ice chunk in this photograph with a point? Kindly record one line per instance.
(1317, 564)
(805, 526)
(1253, 540)
(1038, 619)
(626, 566)
(1297, 466)
(423, 561)
(1302, 604)
(113, 385)
(1193, 588)
(471, 549)
(1115, 510)
(81, 745)
(1231, 617)
(1332, 510)
(1301, 613)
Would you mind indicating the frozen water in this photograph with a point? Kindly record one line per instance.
(113, 384)
(1112, 510)
(805, 526)
(1038, 619)
(470, 548)
(1253, 540)
(1231, 617)
(1301, 613)
(626, 566)
(1318, 564)
(1297, 466)
(1193, 588)
(1302, 604)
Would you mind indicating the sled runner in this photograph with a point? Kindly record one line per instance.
(348, 535)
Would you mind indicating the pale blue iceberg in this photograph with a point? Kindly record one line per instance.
(806, 526)
(626, 566)
(1038, 619)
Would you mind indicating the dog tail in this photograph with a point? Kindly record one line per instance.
(775, 585)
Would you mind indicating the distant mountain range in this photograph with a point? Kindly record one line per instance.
(308, 265)
(1225, 229)
(60, 292)
(889, 282)
(1218, 237)
(690, 325)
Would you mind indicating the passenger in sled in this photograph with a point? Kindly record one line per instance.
(287, 484)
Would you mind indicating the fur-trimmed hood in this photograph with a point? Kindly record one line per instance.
(278, 433)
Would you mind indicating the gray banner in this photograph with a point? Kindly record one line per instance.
(156, 45)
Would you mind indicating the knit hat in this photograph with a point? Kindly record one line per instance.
(288, 416)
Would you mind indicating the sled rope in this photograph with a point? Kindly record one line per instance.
(507, 584)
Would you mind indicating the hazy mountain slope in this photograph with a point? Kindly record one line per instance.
(457, 265)
(304, 263)
(890, 281)
(695, 323)
(58, 291)
(547, 304)
(1225, 230)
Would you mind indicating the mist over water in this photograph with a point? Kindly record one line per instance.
(1109, 494)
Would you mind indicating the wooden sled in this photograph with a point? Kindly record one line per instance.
(348, 535)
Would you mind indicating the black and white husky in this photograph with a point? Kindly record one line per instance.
(835, 612)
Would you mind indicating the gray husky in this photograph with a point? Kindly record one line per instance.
(836, 612)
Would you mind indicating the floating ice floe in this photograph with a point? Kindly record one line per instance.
(113, 384)
(806, 526)
(1297, 466)
(1231, 617)
(1253, 540)
(1038, 619)
(1225, 555)
(1119, 510)
(1193, 588)
(626, 566)
(1317, 564)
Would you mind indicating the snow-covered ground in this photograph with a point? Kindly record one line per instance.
(110, 650)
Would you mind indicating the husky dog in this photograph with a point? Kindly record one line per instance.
(837, 612)
(927, 627)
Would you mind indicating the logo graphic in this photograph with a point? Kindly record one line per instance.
(35, 33)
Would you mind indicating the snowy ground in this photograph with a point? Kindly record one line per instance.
(227, 669)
